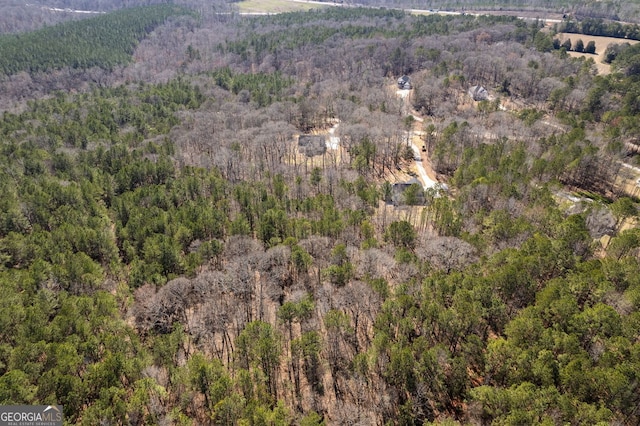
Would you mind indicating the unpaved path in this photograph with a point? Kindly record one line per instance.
(423, 164)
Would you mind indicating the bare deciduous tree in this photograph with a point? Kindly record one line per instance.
(446, 253)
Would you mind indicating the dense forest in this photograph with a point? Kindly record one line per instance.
(172, 253)
(103, 41)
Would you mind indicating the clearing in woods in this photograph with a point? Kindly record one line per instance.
(275, 6)
(601, 46)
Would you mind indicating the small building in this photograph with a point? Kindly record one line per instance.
(478, 93)
(399, 195)
(404, 82)
(312, 145)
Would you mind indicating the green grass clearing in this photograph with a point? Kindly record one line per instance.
(275, 6)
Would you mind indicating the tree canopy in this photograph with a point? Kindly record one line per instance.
(103, 41)
(171, 252)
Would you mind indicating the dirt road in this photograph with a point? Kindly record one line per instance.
(412, 137)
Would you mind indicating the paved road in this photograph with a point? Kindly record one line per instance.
(421, 11)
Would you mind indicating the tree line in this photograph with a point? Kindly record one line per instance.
(600, 27)
(103, 41)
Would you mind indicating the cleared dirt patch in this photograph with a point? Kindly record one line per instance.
(601, 46)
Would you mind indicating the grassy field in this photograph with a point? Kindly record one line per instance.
(274, 6)
(601, 46)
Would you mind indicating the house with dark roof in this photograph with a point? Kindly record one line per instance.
(398, 197)
(478, 93)
(404, 82)
(312, 145)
